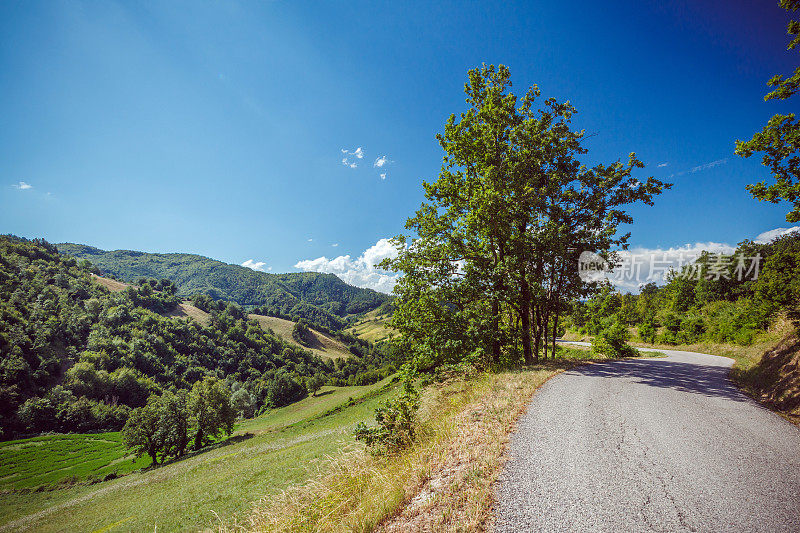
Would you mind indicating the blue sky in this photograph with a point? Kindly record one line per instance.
(218, 128)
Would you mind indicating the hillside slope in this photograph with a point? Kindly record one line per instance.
(320, 298)
(325, 346)
(184, 309)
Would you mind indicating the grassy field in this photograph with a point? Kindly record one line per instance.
(42, 462)
(372, 327)
(324, 346)
(187, 310)
(267, 454)
(110, 284)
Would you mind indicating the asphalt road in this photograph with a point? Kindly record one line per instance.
(665, 444)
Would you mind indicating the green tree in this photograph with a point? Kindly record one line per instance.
(242, 403)
(210, 410)
(314, 383)
(174, 423)
(142, 432)
(779, 141)
(647, 331)
(283, 390)
(494, 262)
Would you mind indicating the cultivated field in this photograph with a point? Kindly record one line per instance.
(45, 462)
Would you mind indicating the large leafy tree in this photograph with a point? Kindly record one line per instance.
(211, 411)
(142, 432)
(174, 422)
(779, 141)
(497, 239)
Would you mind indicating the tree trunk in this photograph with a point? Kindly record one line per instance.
(198, 438)
(525, 316)
(496, 332)
(555, 332)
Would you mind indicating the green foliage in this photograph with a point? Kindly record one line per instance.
(314, 383)
(302, 334)
(647, 331)
(174, 423)
(613, 342)
(319, 298)
(720, 298)
(142, 433)
(243, 403)
(396, 422)
(283, 390)
(779, 141)
(492, 266)
(75, 357)
(210, 411)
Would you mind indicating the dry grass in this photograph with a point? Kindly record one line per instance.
(374, 327)
(324, 346)
(442, 483)
(187, 310)
(110, 284)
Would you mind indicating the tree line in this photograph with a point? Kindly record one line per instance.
(707, 300)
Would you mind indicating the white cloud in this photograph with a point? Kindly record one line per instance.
(335, 244)
(662, 165)
(310, 240)
(382, 161)
(771, 235)
(642, 265)
(22, 186)
(383, 175)
(351, 158)
(362, 271)
(255, 265)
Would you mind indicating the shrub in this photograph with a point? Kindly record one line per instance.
(647, 331)
(613, 342)
(396, 421)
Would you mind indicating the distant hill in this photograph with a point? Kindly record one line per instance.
(319, 298)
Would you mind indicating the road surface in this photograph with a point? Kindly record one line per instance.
(662, 444)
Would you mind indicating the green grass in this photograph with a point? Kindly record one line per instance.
(46, 461)
(281, 448)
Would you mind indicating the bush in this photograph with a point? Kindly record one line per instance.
(302, 334)
(396, 421)
(613, 342)
(647, 331)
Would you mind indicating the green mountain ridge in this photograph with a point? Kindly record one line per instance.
(320, 298)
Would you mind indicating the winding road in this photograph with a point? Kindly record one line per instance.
(660, 444)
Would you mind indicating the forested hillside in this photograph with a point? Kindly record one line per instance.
(718, 298)
(319, 298)
(76, 357)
